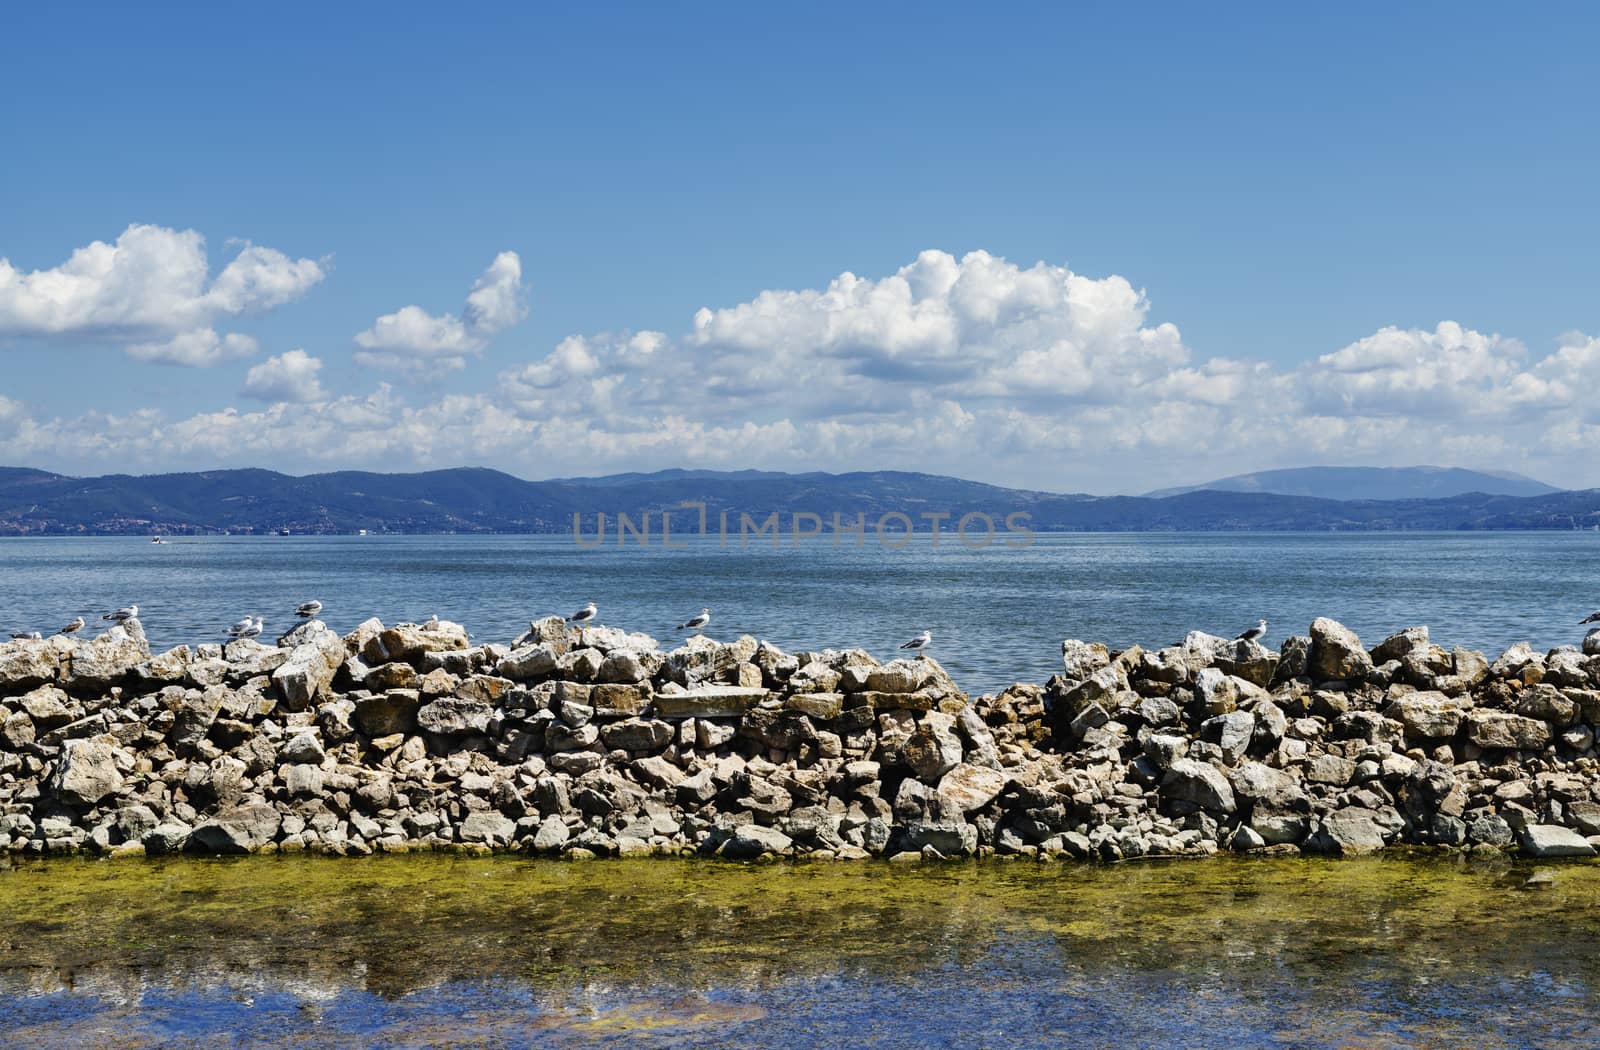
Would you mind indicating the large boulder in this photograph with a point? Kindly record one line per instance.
(309, 669)
(1262, 785)
(455, 716)
(528, 662)
(104, 661)
(1200, 783)
(1336, 652)
(87, 771)
(27, 663)
(388, 713)
(1349, 832)
(409, 641)
(968, 787)
(1428, 716)
(244, 828)
(1553, 840)
(1500, 729)
(934, 747)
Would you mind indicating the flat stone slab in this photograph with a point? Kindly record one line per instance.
(1553, 840)
(709, 701)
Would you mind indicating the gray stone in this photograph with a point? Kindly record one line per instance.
(1553, 840)
(637, 734)
(750, 841)
(87, 771)
(1198, 782)
(1263, 785)
(1499, 729)
(1349, 832)
(238, 829)
(969, 787)
(552, 834)
(455, 716)
(934, 748)
(303, 747)
(488, 826)
(1336, 652)
(1428, 716)
(528, 662)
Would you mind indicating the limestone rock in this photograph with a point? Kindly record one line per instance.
(1336, 652)
(454, 716)
(1553, 840)
(309, 669)
(87, 772)
(1201, 783)
(244, 828)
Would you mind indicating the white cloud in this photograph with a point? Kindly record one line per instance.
(197, 348)
(1031, 375)
(415, 339)
(151, 292)
(290, 376)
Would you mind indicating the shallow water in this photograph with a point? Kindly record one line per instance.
(998, 614)
(428, 950)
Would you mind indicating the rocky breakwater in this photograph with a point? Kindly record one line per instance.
(589, 741)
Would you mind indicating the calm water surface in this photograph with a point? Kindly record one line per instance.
(998, 614)
(428, 951)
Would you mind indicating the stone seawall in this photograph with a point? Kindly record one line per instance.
(594, 741)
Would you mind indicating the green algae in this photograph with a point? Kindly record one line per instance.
(391, 925)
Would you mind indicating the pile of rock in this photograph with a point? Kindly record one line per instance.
(592, 741)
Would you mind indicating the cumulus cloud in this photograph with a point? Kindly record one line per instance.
(414, 339)
(152, 293)
(290, 376)
(1033, 375)
(197, 348)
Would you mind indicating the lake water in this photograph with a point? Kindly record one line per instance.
(424, 950)
(998, 614)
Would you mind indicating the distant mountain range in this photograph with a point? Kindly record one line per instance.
(1386, 483)
(475, 500)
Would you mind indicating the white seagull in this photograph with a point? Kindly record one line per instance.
(309, 609)
(585, 614)
(27, 636)
(123, 615)
(254, 630)
(75, 625)
(1253, 633)
(920, 642)
(432, 624)
(697, 622)
(1593, 617)
(238, 629)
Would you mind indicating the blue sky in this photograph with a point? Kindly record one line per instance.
(1282, 187)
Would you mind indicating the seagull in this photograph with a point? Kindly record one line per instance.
(309, 609)
(123, 615)
(238, 629)
(75, 625)
(1593, 617)
(696, 623)
(920, 642)
(1253, 633)
(254, 630)
(585, 614)
(27, 636)
(432, 625)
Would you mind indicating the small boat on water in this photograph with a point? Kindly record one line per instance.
(157, 539)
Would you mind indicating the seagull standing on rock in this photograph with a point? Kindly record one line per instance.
(920, 642)
(254, 630)
(27, 636)
(123, 615)
(238, 629)
(696, 623)
(1593, 617)
(585, 614)
(73, 627)
(309, 609)
(1253, 634)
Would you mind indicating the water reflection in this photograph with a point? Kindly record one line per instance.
(420, 950)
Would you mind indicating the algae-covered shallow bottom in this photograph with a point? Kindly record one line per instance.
(435, 950)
